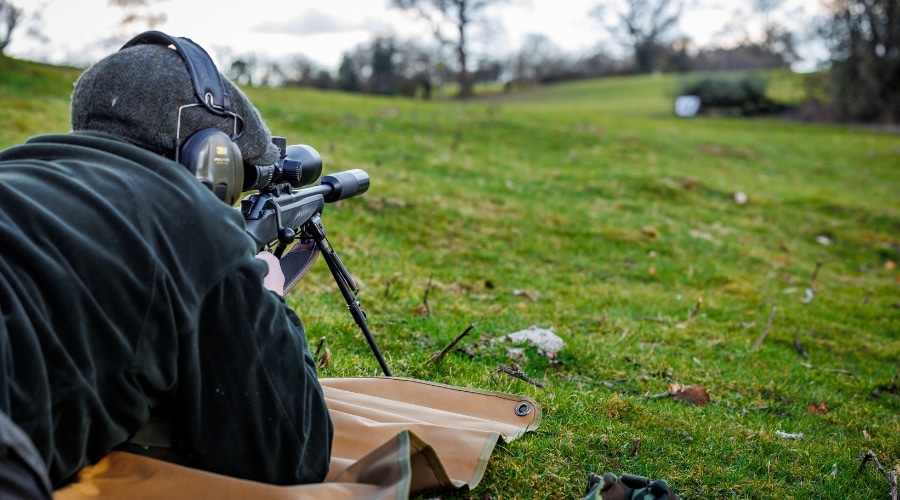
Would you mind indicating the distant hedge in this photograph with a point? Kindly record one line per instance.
(744, 95)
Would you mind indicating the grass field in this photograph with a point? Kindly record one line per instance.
(589, 209)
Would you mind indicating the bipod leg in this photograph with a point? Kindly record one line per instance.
(316, 230)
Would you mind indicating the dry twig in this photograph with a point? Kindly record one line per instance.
(765, 331)
(812, 279)
(319, 347)
(425, 295)
(519, 374)
(745, 411)
(800, 350)
(323, 354)
(609, 384)
(890, 477)
(811, 289)
(443, 352)
(694, 311)
(830, 370)
(387, 286)
(597, 322)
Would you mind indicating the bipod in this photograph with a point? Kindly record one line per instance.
(315, 230)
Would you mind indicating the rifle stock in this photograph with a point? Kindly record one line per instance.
(267, 215)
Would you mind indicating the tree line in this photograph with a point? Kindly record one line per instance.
(863, 37)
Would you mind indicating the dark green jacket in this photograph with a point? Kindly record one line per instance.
(126, 286)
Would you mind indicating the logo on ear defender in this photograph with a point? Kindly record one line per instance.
(222, 157)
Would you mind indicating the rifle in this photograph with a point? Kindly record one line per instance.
(284, 216)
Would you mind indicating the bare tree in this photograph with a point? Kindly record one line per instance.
(776, 39)
(9, 20)
(243, 69)
(765, 8)
(460, 14)
(644, 24)
(350, 72)
(864, 36)
(414, 65)
(537, 60)
(137, 16)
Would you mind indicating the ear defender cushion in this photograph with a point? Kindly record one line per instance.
(213, 158)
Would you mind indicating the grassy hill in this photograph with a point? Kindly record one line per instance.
(589, 209)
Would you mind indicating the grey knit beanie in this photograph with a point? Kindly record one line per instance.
(135, 94)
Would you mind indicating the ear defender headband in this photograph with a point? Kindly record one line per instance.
(210, 154)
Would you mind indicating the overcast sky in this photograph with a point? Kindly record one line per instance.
(323, 30)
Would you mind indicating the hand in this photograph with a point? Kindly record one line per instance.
(274, 279)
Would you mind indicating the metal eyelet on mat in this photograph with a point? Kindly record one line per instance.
(523, 409)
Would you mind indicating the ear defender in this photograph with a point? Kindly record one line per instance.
(210, 154)
(216, 162)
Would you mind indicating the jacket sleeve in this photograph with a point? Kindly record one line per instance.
(249, 403)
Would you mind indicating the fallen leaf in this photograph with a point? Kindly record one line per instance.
(800, 350)
(635, 445)
(378, 204)
(527, 294)
(889, 264)
(420, 310)
(704, 236)
(325, 360)
(740, 198)
(695, 395)
(823, 240)
(689, 184)
(818, 408)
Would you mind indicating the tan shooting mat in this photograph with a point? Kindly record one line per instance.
(394, 437)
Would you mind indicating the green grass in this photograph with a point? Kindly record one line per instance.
(614, 218)
(34, 99)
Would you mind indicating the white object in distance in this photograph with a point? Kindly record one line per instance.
(687, 106)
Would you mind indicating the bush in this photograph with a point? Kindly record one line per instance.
(745, 95)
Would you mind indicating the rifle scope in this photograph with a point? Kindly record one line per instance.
(299, 165)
